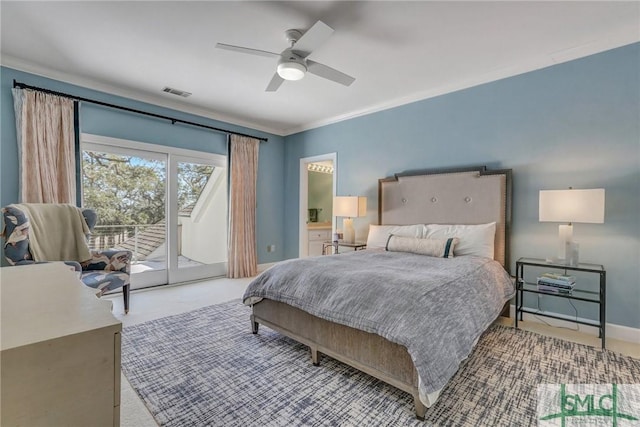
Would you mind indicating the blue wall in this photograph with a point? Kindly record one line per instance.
(119, 124)
(574, 124)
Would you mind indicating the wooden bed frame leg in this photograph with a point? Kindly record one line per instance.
(254, 325)
(421, 410)
(315, 357)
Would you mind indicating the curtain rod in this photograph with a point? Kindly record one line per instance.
(131, 110)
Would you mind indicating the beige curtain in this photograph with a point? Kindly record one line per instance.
(46, 147)
(242, 207)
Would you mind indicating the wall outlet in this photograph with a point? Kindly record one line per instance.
(271, 248)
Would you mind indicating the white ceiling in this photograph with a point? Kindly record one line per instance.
(398, 52)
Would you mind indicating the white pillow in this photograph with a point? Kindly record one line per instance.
(474, 239)
(431, 247)
(379, 234)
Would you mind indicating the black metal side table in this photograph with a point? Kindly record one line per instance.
(599, 297)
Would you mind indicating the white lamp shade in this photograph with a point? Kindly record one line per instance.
(349, 206)
(572, 206)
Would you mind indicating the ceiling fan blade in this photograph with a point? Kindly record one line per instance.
(247, 50)
(275, 83)
(329, 73)
(312, 39)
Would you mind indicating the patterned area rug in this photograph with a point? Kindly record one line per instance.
(205, 367)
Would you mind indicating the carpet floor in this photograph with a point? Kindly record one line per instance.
(206, 368)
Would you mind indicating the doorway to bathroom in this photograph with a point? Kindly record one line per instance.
(317, 190)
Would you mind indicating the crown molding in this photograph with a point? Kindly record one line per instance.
(621, 38)
(10, 61)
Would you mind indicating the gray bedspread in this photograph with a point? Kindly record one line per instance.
(437, 308)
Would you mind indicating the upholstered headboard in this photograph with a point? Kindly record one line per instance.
(471, 195)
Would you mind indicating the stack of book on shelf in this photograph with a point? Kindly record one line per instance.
(556, 283)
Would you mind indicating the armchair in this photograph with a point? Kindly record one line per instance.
(106, 270)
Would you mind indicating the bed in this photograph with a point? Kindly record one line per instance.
(306, 299)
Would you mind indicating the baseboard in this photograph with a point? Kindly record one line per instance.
(618, 332)
(263, 267)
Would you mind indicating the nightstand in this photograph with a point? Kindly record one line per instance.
(327, 246)
(599, 297)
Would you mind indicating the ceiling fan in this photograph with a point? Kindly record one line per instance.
(293, 63)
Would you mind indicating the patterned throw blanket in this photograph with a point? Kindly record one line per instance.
(437, 308)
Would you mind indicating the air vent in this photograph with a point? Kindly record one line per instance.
(173, 91)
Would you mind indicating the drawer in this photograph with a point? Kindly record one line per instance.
(320, 235)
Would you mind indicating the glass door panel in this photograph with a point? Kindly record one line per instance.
(127, 189)
(200, 230)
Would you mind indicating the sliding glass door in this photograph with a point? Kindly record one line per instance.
(168, 206)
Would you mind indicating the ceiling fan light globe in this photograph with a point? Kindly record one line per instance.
(291, 70)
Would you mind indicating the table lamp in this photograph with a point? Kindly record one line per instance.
(349, 207)
(586, 206)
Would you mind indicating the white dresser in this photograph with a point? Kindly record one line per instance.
(60, 350)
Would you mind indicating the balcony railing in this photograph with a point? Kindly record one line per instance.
(141, 239)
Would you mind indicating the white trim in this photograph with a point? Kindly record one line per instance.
(624, 38)
(123, 151)
(618, 332)
(171, 221)
(217, 160)
(303, 235)
(265, 266)
(12, 62)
